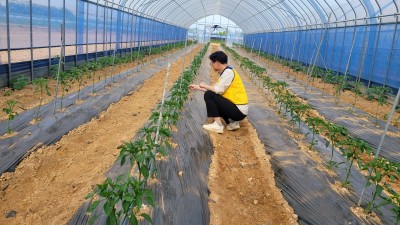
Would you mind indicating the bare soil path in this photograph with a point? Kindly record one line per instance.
(241, 181)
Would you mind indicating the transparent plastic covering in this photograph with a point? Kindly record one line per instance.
(265, 15)
(365, 30)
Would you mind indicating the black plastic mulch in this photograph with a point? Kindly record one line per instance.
(53, 126)
(307, 189)
(181, 193)
(360, 124)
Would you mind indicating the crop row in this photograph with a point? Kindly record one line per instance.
(80, 75)
(381, 172)
(124, 197)
(340, 82)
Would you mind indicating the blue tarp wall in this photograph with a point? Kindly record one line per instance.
(375, 56)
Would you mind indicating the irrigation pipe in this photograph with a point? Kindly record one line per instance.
(396, 101)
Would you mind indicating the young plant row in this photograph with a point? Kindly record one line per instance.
(376, 93)
(80, 75)
(381, 172)
(124, 198)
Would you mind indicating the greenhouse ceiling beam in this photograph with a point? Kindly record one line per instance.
(241, 15)
(273, 17)
(265, 18)
(163, 12)
(274, 13)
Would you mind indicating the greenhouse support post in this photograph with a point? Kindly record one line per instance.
(374, 54)
(391, 49)
(49, 35)
(63, 36)
(8, 42)
(31, 37)
(395, 103)
(111, 28)
(77, 4)
(87, 34)
(97, 28)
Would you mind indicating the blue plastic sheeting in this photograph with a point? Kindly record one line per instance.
(85, 23)
(375, 55)
(23, 68)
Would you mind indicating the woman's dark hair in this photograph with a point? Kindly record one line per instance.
(219, 56)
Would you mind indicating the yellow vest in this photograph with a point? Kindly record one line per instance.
(236, 92)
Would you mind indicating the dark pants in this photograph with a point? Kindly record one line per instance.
(218, 106)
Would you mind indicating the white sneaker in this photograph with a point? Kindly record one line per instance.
(214, 127)
(233, 125)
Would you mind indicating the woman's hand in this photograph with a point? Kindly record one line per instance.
(193, 87)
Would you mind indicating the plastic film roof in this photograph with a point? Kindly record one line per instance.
(254, 16)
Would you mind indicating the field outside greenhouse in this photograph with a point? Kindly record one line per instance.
(99, 126)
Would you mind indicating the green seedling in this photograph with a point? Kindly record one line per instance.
(316, 125)
(128, 192)
(19, 83)
(11, 114)
(41, 86)
(380, 168)
(353, 149)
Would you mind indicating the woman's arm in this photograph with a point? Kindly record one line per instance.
(193, 87)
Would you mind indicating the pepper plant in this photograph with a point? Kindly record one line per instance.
(380, 94)
(380, 168)
(125, 190)
(335, 133)
(353, 149)
(11, 114)
(41, 86)
(130, 191)
(357, 85)
(78, 75)
(316, 125)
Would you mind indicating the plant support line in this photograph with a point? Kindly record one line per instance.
(160, 116)
(396, 102)
(59, 67)
(316, 57)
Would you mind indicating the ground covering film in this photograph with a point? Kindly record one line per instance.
(306, 184)
(181, 191)
(53, 126)
(360, 124)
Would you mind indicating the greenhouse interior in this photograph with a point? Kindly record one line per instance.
(200, 112)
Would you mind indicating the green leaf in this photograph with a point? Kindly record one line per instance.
(133, 220)
(145, 171)
(93, 206)
(162, 151)
(108, 208)
(90, 195)
(379, 189)
(92, 219)
(147, 217)
(125, 206)
(149, 196)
